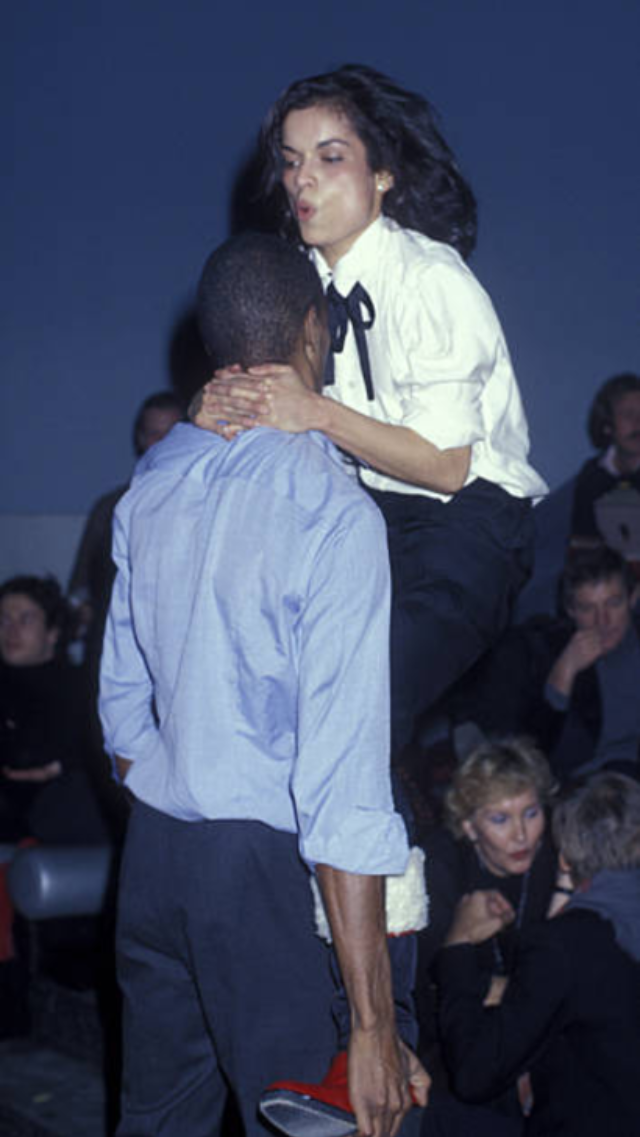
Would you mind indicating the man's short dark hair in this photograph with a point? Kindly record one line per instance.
(592, 566)
(600, 420)
(254, 293)
(43, 591)
(159, 401)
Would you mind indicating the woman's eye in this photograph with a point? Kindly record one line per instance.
(498, 818)
(332, 158)
(532, 811)
(289, 163)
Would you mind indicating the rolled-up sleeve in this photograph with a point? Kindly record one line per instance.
(450, 339)
(341, 780)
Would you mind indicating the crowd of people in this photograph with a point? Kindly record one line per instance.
(323, 555)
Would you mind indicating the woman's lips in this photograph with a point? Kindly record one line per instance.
(304, 211)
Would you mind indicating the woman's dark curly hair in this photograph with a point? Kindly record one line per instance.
(398, 129)
(600, 418)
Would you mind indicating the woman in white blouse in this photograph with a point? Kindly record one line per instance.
(419, 394)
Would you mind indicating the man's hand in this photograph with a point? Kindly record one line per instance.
(378, 1086)
(582, 651)
(385, 1080)
(478, 916)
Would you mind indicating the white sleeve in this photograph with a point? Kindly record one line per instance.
(449, 342)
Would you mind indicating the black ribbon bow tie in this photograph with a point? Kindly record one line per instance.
(343, 309)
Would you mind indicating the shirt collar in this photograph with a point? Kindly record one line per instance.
(608, 462)
(362, 255)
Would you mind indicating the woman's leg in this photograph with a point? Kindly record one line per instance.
(456, 568)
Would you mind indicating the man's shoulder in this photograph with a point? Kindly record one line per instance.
(306, 468)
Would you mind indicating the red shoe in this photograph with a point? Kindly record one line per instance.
(312, 1110)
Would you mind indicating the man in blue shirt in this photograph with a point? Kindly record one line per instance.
(245, 702)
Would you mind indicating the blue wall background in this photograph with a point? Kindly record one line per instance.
(127, 124)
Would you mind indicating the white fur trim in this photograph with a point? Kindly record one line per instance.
(407, 903)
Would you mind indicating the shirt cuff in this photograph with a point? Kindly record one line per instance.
(369, 842)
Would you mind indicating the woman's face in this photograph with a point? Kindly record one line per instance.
(333, 193)
(507, 832)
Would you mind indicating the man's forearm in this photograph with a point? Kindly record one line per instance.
(122, 767)
(356, 914)
(378, 1065)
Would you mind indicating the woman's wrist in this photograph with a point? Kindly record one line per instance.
(320, 417)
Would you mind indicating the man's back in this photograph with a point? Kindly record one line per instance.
(249, 561)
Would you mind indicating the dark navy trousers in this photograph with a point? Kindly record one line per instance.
(224, 981)
(456, 569)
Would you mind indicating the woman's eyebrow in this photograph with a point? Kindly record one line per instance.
(325, 142)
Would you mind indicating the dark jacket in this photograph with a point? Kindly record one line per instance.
(43, 719)
(507, 694)
(452, 868)
(570, 1016)
(592, 483)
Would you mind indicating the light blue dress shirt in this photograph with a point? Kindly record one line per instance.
(245, 668)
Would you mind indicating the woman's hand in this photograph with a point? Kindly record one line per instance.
(562, 892)
(478, 916)
(497, 988)
(417, 1076)
(270, 395)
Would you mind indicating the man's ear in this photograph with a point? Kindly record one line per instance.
(315, 344)
(314, 332)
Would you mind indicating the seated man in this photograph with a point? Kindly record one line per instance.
(570, 683)
(245, 700)
(614, 429)
(570, 1014)
(93, 570)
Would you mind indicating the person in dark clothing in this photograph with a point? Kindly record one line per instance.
(570, 1014)
(495, 837)
(44, 790)
(93, 570)
(495, 840)
(614, 429)
(571, 682)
